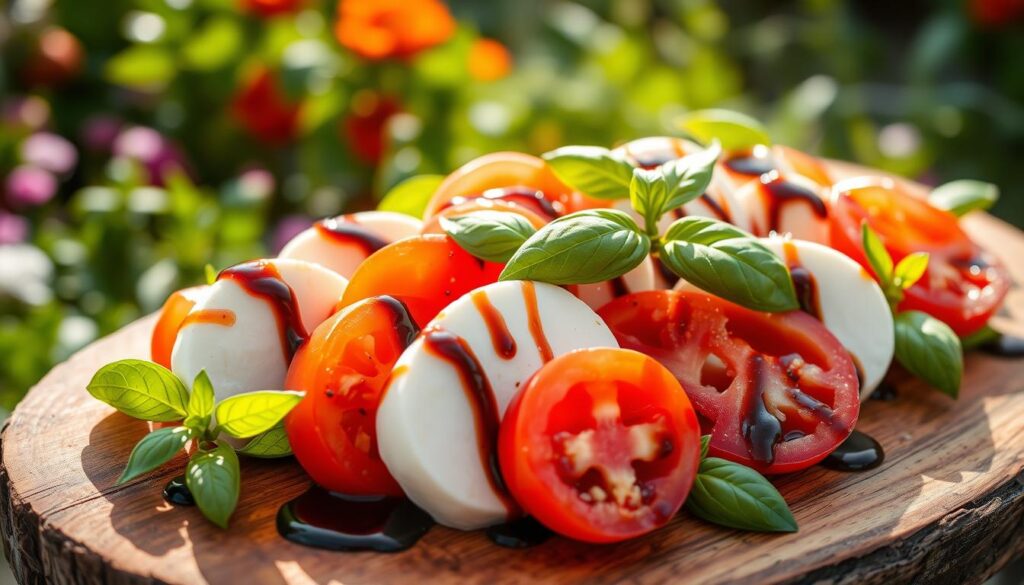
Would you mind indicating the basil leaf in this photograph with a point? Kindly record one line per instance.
(981, 337)
(878, 257)
(648, 194)
(247, 415)
(154, 450)
(593, 170)
(910, 270)
(210, 273)
(214, 479)
(705, 442)
(580, 248)
(411, 196)
(491, 235)
(736, 496)
(930, 350)
(140, 389)
(735, 131)
(200, 402)
(961, 197)
(269, 444)
(688, 177)
(728, 262)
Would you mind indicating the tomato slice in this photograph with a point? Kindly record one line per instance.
(600, 445)
(172, 316)
(776, 392)
(963, 285)
(425, 272)
(433, 224)
(343, 368)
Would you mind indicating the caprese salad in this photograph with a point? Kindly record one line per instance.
(581, 343)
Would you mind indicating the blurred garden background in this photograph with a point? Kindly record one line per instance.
(142, 139)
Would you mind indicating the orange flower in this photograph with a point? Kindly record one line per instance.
(489, 60)
(271, 8)
(264, 110)
(382, 29)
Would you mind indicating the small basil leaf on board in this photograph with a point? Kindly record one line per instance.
(247, 415)
(155, 449)
(930, 350)
(214, 479)
(200, 402)
(705, 442)
(961, 197)
(491, 235)
(736, 496)
(580, 248)
(648, 194)
(688, 177)
(735, 131)
(910, 269)
(878, 257)
(141, 389)
(728, 262)
(411, 196)
(593, 170)
(269, 444)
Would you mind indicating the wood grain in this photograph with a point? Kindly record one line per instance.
(946, 506)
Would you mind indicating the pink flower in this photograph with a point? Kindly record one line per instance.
(99, 132)
(150, 148)
(50, 152)
(30, 113)
(13, 228)
(30, 186)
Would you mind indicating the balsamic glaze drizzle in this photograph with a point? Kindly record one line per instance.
(520, 533)
(859, 452)
(262, 279)
(760, 428)
(176, 492)
(747, 163)
(347, 231)
(777, 191)
(527, 196)
(1005, 345)
(501, 338)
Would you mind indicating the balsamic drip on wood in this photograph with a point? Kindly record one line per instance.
(526, 196)
(454, 350)
(501, 338)
(322, 519)
(859, 452)
(777, 191)
(520, 533)
(1005, 346)
(747, 163)
(346, 231)
(176, 492)
(885, 392)
(262, 279)
(760, 428)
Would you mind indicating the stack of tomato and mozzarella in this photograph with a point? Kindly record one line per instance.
(483, 400)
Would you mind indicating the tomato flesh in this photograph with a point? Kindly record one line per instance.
(172, 316)
(425, 272)
(963, 285)
(343, 368)
(776, 392)
(600, 445)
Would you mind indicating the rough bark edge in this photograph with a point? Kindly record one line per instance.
(966, 546)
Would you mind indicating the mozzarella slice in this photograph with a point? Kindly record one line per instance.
(641, 278)
(236, 335)
(850, 304)
(786, 204)
(427, 421)
(342, 243)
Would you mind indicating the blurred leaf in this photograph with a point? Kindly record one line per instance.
(145, 67)
(213, 45)
(446, 65)
(411, 195)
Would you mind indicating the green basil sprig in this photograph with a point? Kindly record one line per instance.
(491, 235)
(653, 193)
(728, 262)
(894, 279)
(736, 496)
(734, 130)
(583, 247)
(151, 392)
(593, 170)
(963, 196)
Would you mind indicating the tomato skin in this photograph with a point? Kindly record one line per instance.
(551, 412)
(425, 272)
(433, 225)
(742, 369)
(344, 368)
(963, 286)
(172, 315)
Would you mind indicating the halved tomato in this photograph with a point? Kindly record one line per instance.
(343, 369)
(172, 316)
(600, 445)
(425, 272)
(963, 286)
(776, 392)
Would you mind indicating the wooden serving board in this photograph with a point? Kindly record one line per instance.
(947, 506)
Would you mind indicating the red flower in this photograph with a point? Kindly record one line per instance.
(56, 59)
(366, 126)
(489, 60)
(996, 12)
(271, 8)
(264, 110)
(382, 29)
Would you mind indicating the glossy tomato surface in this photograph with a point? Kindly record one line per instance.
(776, 392)
(433, 224)
(963, 285)
(172, 316)
(600, 445)
(425, 272)
(343, 368)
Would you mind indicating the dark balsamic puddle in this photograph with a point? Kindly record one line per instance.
(177, 493)
(521, 533)
(1009, 346)
(859, 452)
